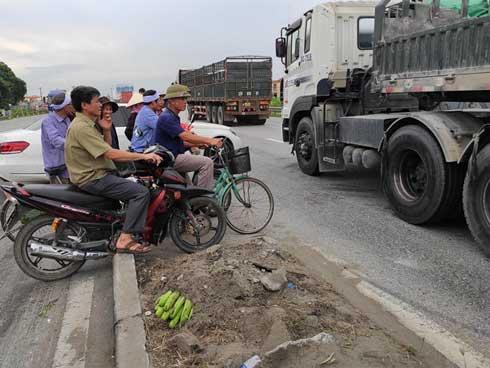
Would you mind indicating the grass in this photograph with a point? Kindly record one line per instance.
(18, 113)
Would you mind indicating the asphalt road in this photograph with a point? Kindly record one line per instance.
(438, 270)
(32, 312)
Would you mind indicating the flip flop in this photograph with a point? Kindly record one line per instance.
(133, 247)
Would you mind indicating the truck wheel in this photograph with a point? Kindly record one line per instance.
(476, 201)
(214, 114)
(260, 121)
(209, 115)
(306, 153)
(419, 184)
(220, 115)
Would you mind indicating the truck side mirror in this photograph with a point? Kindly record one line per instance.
(281, 47)
(296, 49)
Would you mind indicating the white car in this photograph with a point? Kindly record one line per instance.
(21, 153)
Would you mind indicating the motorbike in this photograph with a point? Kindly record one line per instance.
(70, 226)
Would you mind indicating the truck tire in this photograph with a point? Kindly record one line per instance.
(305, 147)
(220, 115)
(260, 121)
(476, 201)
(214, 114)
(420, 186)
(209, 115)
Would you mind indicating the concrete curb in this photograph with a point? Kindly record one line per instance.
(129, 329)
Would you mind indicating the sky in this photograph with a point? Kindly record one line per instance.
(61, 44)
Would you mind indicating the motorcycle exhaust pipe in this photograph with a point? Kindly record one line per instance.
(62, 253)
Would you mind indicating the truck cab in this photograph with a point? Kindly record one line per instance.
(321, 49)
(366, 86)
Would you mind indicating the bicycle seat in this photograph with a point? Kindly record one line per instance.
(71, 194)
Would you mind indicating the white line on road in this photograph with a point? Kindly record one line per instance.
(458, 352)
(72, 343)
(274, 140)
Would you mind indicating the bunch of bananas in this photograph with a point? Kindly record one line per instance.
(174, 307)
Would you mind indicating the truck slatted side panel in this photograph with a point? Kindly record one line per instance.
(464, 46)
(455, 57)
(232, 78)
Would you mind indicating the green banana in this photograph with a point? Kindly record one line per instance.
(159, 312)
(163, 299)
(177, 306)
(173, 323)
(171, 301)
(165, 316)
(186, 311)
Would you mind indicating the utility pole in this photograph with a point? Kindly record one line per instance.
(41, 92)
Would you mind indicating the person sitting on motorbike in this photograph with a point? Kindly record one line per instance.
(146, 121)
(170, 134)
(89, 158)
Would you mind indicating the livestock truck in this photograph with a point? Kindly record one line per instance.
(399, 86)
(234, 88)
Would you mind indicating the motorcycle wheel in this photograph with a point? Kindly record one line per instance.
(211, 225)
(42, 268)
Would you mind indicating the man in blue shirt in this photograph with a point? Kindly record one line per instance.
(170, 134)
(146, 121)
(53, 133)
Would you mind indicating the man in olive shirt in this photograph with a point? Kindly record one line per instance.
(89, 158)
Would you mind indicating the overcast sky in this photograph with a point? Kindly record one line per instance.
(60, 44)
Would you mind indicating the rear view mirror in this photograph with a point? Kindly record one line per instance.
(281, 47)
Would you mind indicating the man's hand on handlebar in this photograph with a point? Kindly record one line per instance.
(153, 158)
(216, 142)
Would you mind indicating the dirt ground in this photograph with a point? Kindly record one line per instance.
(235, 317)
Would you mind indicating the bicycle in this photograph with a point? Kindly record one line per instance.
(243, 197)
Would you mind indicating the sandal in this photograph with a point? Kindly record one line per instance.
(133, 247)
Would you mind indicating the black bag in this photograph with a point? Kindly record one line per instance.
(56, 171)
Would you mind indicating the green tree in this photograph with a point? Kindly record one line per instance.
(12, 89)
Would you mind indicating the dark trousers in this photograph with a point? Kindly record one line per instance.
(136, 195)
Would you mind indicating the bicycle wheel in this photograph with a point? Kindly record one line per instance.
(249, 205)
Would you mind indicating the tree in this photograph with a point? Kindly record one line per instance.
(12, 89)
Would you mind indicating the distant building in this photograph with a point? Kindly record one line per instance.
(124, 92)
(276, 88)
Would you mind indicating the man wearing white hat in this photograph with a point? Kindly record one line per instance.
(146, 122)
(135, 105)
(53, 134)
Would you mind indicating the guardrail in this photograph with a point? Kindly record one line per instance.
(276, 111)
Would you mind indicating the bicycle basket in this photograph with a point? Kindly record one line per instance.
(239, 161)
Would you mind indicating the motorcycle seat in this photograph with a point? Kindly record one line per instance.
(71, 194)
(189, 189)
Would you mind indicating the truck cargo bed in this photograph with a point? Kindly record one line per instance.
(233, 78)
(431, 50)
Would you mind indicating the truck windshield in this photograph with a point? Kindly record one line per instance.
(365, 31)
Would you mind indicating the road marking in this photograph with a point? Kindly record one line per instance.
(455, 350)
(72, 342)
(274, 140)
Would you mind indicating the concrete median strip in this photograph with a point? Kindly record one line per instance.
(130, 345)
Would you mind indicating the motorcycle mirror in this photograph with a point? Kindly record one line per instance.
(193, 118)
